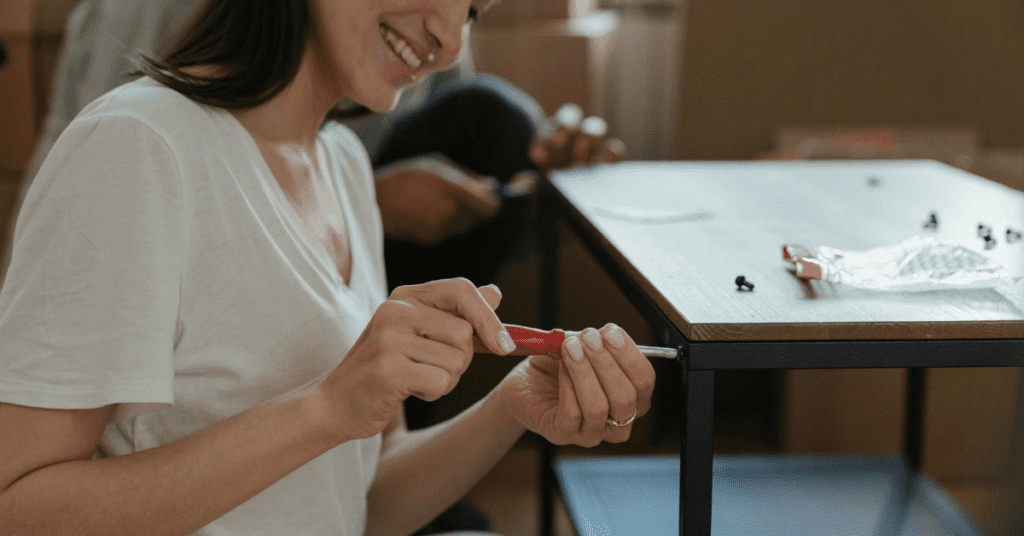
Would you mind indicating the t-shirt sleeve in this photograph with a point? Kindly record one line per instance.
(89, 308)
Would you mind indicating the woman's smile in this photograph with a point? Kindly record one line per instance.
(372, 49)
(406, 52)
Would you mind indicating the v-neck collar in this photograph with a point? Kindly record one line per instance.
(298, 225)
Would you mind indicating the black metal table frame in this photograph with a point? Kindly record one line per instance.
(700, 360)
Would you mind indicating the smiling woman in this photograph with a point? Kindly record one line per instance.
(256, 52)
(195, 331)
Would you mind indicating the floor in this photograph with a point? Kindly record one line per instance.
(508, 495)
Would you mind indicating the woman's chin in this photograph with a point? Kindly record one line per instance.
(383, 103)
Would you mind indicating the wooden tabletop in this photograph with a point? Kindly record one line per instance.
(685, 231)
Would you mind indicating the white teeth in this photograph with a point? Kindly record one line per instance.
(411, 59)
(401, 48)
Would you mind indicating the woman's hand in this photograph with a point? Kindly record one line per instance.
(570, 401)
(418, 343)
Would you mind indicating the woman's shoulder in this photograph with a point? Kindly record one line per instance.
(351, 169)
(347, 148)
(344, 137)
(146, 101)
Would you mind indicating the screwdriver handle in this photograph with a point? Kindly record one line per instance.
(529, 341)
(533, 341)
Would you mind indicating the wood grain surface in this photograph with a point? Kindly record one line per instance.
(685, 230)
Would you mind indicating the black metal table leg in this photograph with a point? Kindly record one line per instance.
(697, 456)
(905, 485)
(914, 423)
(547, 251)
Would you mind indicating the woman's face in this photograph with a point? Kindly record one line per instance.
(373, 48)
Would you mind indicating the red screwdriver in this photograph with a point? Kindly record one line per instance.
(533, 341)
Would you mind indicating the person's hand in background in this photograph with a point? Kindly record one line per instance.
(427, 199)
(570, 140)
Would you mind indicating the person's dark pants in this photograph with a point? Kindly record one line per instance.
(483, 127)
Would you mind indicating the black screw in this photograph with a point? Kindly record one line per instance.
(742, 284)
(933, 222)
(986, 233)
(3, 54)
(1012, 236)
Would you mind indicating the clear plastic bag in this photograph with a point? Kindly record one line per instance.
(917, 264)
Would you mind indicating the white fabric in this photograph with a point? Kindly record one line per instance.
(159, 266)
(100, 38)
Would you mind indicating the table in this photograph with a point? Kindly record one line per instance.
(674, 236)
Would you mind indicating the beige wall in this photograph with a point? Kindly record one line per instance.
(751, 65)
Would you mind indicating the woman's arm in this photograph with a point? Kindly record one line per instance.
(417, 343)
(424, 471)
(49, 484)
(603, 378)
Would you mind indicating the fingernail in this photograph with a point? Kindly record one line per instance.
(575, 348)
(593, 338)
(595, 126)
(505, 341)
(615, 337)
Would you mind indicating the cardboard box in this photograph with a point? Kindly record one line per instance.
(856, 411)
(958, 147)
(18, 109)
(9, 185)
(1003, 165)
(557, 61)
(969, 416)
(30, 38)
(514, 11)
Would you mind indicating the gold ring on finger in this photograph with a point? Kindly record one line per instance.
(613, 422)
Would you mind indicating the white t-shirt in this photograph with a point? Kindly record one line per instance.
(159, 266)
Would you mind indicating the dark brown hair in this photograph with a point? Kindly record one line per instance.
(255, 48)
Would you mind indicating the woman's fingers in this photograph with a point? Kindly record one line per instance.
(436, 325)
(608, 379)
(617, 386)
(428, 382)
(546, 364)
(491, 294)
(570, 416)
(590, 395)
(448, 351)
(633, 364)
(463, 299)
